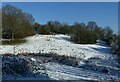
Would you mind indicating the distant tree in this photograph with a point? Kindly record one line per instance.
(9, 15)
(99, 31)
(108, 34)
(51, 27)
(56, 27)
(81, 34)
(64, 29)
(83, 25)
(15, 23)
(27, 24)
(36, 27)
(0, 23)
(91, 25)
(44, 29)
(118, 49)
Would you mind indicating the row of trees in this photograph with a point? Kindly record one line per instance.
(18, 24)
(79, 32)
(52, 27)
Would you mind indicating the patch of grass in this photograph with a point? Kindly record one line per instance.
(13, 42)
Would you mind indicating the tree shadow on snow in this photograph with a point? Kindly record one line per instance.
(107, 66)
(62, 38)
(103, 50)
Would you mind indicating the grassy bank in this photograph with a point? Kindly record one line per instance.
(13, 42)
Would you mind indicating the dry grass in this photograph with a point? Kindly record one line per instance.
(13, 42)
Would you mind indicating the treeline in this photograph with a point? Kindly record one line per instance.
(79, 32)
(18, 24)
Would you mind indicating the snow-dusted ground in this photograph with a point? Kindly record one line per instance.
(40, 70)
(97, 61)
(56, 44)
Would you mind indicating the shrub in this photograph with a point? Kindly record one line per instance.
(83, 35)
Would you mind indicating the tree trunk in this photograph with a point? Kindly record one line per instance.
(12, 37)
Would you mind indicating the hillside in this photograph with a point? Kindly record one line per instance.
(57, 44)
(94, 61)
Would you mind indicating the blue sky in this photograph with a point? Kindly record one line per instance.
(103, 13)
(0, 4)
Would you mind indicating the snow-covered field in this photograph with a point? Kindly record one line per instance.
(96, 61)
(56, 44)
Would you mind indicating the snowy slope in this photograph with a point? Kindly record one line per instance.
(56, 44)
(60, 72)
(54, 71)
(97, 61)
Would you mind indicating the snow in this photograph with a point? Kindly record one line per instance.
(33, 59)
(96, 59)
(59, 44)
(56, 71)
(12, 77)
(60, 72)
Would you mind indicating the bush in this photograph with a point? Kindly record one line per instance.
(115, 44)
(83, 36)
(44, 30)
(16, 66)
